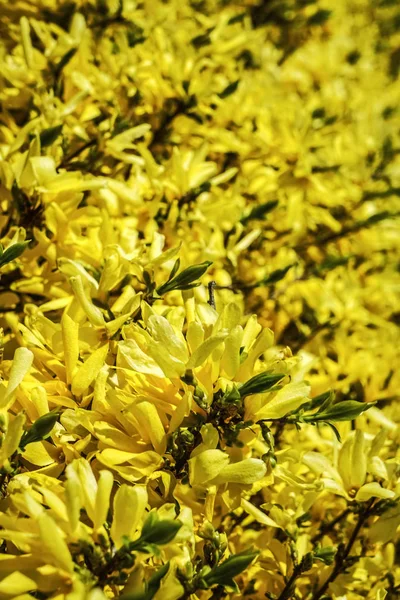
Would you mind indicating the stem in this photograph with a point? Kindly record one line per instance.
(329, 526)
(342, 556)
(288, 589)
(211, 295)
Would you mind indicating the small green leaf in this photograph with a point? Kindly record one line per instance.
(64, 61)
(152, 586)
(185, 280)
(275, 276)
(260, 383)
(230, 89)
(335, 431)
(342, 411)
(174, 269)
(323, 400)
(157, 531)
(40, 429)
(49, 136)
(331, 262)
(230, 568)
(12, 253)
(320, 17)
(260, 211)
(202, 40)
(237, 18)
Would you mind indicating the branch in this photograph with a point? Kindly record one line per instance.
(329, 526)
(342, 556)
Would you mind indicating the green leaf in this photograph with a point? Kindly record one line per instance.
(12, 253)
(158, 532)
(320, 17)
(237, 18)
(230, 89)
(260, 211)
(152, 586)
(185, 279)
(331, 262)
(174, 269)
(40, 429)
(202, 40)
(49, 136)
(260, 383)
(322, 401)
(342, 411)
(275, 276)
(335, 431)
(64, 61)
(230, 568)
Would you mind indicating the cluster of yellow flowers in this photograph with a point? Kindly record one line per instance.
(199, 299)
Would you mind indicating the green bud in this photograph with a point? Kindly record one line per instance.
(260, 383)
(186, 279)
(49, 136)
(325, 555)
(40, 429)
(307, 562)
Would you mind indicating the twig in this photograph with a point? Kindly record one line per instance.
(211, 295)
(300, 568)
(329, 526)
(67, 159)
(341, 561)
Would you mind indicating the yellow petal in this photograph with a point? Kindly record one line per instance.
(17, 583)
(230, 361)
(93, 313)
(22, 362)
(26, 42)
(205, 349)
(41, 454)
(70, 336)
(206, 466)
(245, 472)
(148, 417)
(88, 372)
(54, 545)
(257, 514)
(12, 437)
(55, 503)
(373, 490)
(129, 353)
(129, 509)
(73, 499)
(290, 397)
(105, 484)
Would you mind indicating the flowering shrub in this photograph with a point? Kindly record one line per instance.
(199, 299)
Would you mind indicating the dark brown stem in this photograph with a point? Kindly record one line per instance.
(341, 561)
(329, 526)
(288, 590)
(67, 159)
(211, 295)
